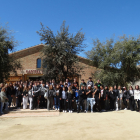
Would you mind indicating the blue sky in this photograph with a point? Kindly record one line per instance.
(98, 18)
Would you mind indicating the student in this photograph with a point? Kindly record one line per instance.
(68, 83)
(117, 97)
(75, 83)
(42, 99)
(103, 98)
(19, 96)
(90, 101)
(30, 95)
(125, 98)
(98, 83)
(131, 98)
(90, 82)
(25, 97)
(120, 99)
(76, 95)
(137, 98)
(66, 87)
(4, 99)
(81, 99)
(57, 95)
(64, 98)
(97, 96)
(35, 95)
(61, 84)
(106, 90)
(112, 96)
(10, 93)
(50, 98)
(70, 99)
(83, 83)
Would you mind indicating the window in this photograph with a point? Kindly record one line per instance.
(38, 63)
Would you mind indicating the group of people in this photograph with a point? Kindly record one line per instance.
(68, 96)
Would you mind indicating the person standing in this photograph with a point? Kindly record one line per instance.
(4, 99)
(63, 99)
(19, 92)
(90, 82)
(98, 83)
(82, 83)
(131, 98)
(137, 98)
(25, 97)
(112, 96)
(81, 100)
(50, 97)
(57, 95)
(90, 99)
(125, 98)
(121, 96)
(117, 97)
(30, 95)
(103, 98)
(70, 99)
(35, 95)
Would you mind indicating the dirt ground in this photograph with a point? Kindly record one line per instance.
(119, 125)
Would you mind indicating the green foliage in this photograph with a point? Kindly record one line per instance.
(7, 62)
(60, 51)
(117, 60)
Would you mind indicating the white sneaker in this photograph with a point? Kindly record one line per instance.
(116, 109)
(85, 111)
(56, 109)
(65, 111)
(91, 111)
(125, 109)
(71, 111)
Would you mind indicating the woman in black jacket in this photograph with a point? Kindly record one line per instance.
(131, 98)
(106, 90)
(103, 98)
(112, 96)
(19, 96)
(70, 99)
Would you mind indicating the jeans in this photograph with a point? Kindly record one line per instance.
(10, 100)
(57, 102)
(2, 104)
(50, 102)
(31, 102)
(92, 103)
(25, 101)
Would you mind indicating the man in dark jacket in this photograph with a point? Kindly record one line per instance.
(81, 99)
(90, 82)
(117, 97)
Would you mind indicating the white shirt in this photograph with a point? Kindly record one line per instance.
(136, 94)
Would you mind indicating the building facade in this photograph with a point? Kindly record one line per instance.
(31, 61)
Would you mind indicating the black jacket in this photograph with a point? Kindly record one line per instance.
(129, 95)
(25, 92)
(19, 93)
(117, 92)
(125, 95)
(82, 94)
(97, 93)
(104, 94)
(70, 95)
(112, 95)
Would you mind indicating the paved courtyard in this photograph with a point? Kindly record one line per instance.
(72, 126)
